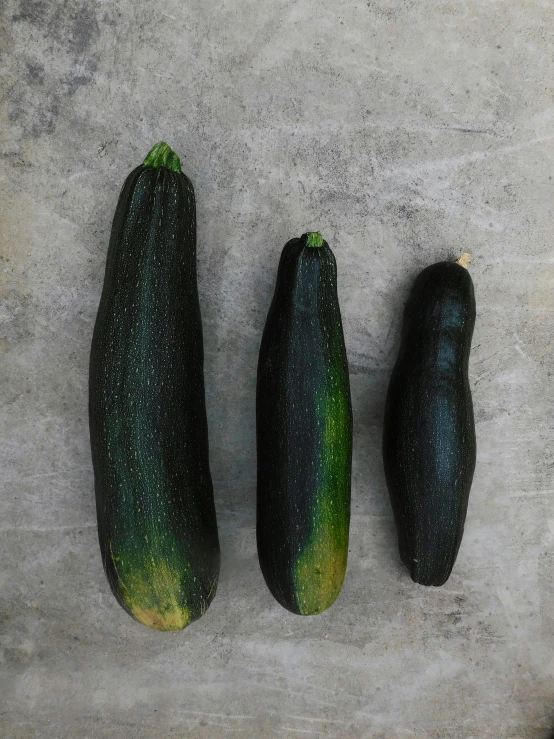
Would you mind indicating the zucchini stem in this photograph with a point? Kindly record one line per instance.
(464, 259)
(314, 238)
(162, 155)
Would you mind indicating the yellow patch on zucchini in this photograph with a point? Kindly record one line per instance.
(319, 571)
(321, 565)
(151, 588)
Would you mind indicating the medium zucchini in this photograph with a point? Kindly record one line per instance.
(429, 431)
(304, 433)
(156, 515)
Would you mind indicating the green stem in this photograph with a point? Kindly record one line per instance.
(162, 155)
(314, 238)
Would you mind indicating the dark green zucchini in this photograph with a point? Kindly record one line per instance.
(429, 432)
(156, 516)
(304, 433)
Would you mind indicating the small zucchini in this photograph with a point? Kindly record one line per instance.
(304, 433)
(148, 429)
(429, 431)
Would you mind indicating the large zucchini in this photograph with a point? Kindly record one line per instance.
(429, 432)
(155, 506)
(304, 433)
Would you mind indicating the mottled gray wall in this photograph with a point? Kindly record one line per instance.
(406, 132)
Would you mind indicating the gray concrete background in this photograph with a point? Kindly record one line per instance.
(406, 132)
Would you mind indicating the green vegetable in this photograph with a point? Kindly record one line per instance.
(156, 516)
(304, 433)
(429, 432)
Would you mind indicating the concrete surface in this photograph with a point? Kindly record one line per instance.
(406, 132)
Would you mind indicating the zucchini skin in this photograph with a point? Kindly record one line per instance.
(304, 434)
(429, 446)
(156, 516)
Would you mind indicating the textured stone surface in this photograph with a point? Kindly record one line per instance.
(406, 132)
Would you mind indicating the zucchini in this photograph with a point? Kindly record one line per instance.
(304, 433)
(156, 516)
(429, 432)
